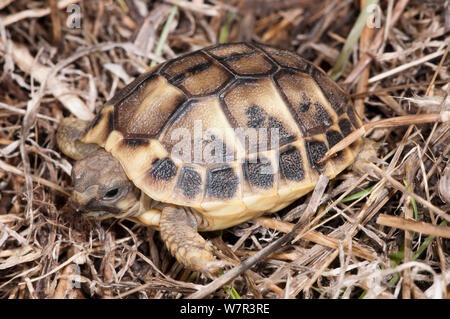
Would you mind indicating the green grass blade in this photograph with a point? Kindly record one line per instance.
(364, 293)
(413, 201)
(224, 31)
(232, 292)
(123, 5)
(164, 34)
(426, 243)
(398, 257)
(357, 195)
(352, 38)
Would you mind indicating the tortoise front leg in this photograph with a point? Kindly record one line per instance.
(179, 232)
(67, 138)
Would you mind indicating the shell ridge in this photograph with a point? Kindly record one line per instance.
(221, 64)
(267, 55)
(182, 109)
(130, 88)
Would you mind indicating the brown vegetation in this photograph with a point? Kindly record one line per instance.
(391, 241)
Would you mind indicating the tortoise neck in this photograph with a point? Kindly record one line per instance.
(136, 207)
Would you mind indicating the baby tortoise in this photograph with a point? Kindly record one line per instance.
(143, 158)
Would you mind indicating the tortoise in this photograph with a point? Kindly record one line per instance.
(207, 141)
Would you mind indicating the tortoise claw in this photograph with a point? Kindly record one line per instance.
(179, 232)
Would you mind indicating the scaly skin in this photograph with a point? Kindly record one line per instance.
(97, 172)
(179, 231)
(69, 130)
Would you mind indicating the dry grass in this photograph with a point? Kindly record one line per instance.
(335, 249)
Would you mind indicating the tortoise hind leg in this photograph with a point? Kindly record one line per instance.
(179, 232)
(67, 138)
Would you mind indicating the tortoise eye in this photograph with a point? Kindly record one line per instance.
(111, 194)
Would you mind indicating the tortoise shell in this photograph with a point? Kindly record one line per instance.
(184, 132)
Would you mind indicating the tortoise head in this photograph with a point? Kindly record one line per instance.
(101, 189)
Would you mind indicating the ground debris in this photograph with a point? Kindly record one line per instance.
(71, 56)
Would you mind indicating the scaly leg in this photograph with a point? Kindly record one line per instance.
(67, 138)
(179, 232)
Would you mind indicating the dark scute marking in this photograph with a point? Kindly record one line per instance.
(333, 137)
(125, 92)
(256, 116)
(135, 142)
(284, 135)
(345, 126)
(111, 122)
(163, 169)
(189, 182)
(322, 115)
(200, 67)
(258, 172)
(221, 182)
(305, 103)
(177, 80)
(285, 58)
(291, 164)
(236, 56)
(215, 144)
(223, 51)
(315, 150)
(331, 90)
(352, 116)
(94, 122)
